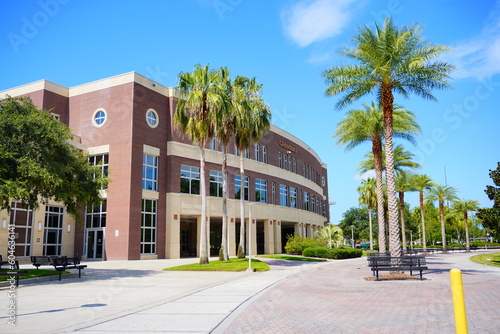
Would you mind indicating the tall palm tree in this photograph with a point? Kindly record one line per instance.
(333, 234)
(421, 183)
(366, 125)
(202, 98)
(464, 206)
(404, 183)
(402, 159)
(389, 60)
(368, 196)
(441, 194)
(252, 121)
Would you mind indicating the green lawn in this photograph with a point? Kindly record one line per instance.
(35, 273)
(291, 258)
(234, 264)
(492, 259)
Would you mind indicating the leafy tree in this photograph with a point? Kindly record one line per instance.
(389, 60)
(202, 99)
(38, 162)
(491, 216)
(402, 159)
(441, 194)
(331, 234)
(366, 125)
(463, 207)
(357, 218)
(368, 196)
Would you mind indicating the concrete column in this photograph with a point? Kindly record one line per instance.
(253, 236)
(310, 230)
(268, 236)
(278, 247)
(231, 239)
(297, 229)
(173, 238)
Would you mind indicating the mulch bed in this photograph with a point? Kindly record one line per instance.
(394, 277)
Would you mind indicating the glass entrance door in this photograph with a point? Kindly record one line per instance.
(95, 244)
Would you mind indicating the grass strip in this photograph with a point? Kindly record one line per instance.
(491, 259)
(234, 264)
(34, 273)
(292, 258)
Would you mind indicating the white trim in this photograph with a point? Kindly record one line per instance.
(151, 150)
(94, 115)
(36, 86)
(151, 110)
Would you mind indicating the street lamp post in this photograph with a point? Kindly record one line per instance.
(250, 237)
(352, 236)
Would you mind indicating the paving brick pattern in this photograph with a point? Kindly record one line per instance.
(336, 298)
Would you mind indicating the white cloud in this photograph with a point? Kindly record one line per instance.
(309, 21)
(480, 56)
(366, 175)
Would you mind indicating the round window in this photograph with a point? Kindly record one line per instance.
(152, 118)
(99, 117)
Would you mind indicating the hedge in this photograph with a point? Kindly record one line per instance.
(333, 253)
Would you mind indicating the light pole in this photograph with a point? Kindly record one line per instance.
(352, 236)
(411, 239)
(250, 237)
(331, 227)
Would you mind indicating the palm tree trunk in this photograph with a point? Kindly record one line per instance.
(371, 228)
(402, 215)
(223, 253)
(443, 232)
(241, 247)
(467, 245)
(424, 241)
(394, 235)
(203, 192)
(377, 159)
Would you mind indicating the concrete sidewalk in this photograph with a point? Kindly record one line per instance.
(137, 297)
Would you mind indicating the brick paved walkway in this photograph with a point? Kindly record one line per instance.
(335, 298)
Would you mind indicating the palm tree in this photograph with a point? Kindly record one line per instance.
(252, 121)
(441, 194)
(368, 196)
(402, 159)
(390, 60)
(421, 183)
(463, 207)
(366, 125)
(403, 184)
(202, 98)
(333, 234)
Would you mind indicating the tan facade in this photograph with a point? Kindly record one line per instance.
(152, 206)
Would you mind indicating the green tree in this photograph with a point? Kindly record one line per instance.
(332, 234)
(389, 60)
(404, 183)
(366, 125)
(421, 183)
(368, 196)
(202, 99)
(402, 159)
(354, 223)
(38, 163)
(442, 194)
(491, 216)
(463, 207)
(252, 121)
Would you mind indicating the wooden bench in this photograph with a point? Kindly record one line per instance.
(13, 272)
(63, 263)
(409, 263)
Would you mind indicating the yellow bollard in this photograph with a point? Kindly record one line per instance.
(457, 290)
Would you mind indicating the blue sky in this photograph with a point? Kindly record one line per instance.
(286, 44)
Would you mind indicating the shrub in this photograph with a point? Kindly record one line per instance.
(296, 244)
(345, 253)
(484, 243)
(321, 251)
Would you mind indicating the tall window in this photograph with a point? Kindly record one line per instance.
(306, 201)
(150, 172)
(215, 183)
(293, 197)
(280, 161)
(95, 217)
(286, 161)
(190, 180)
(261, 191)
(237, 187)
(148, 226)
(313, 204)
(257, 152)
(246, 153)
(283, 195)
(21, 217)
(102, 161)
(294, 165)
(274, 193)
(264, 154)
(52, 239)
(213, 144)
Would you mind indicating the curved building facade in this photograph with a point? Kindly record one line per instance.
(152, 207)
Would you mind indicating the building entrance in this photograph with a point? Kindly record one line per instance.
(95, 244)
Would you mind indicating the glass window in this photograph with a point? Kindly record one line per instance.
(213, 144)
(293, 197)
(148, 226)
(261, 191)
(237, 187)
(257, 153)
(52, 240)
(95, 217)
(152, 118)
(283, 195)
(274, 193)
(246, 153)
(215, 183)
(280, 162)
(286, 161)
(99, 117)
(190, 180)
(294, 165)
(264, 154)
(21, 217)
(101, 161)
(150, 172)
(306, 201)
